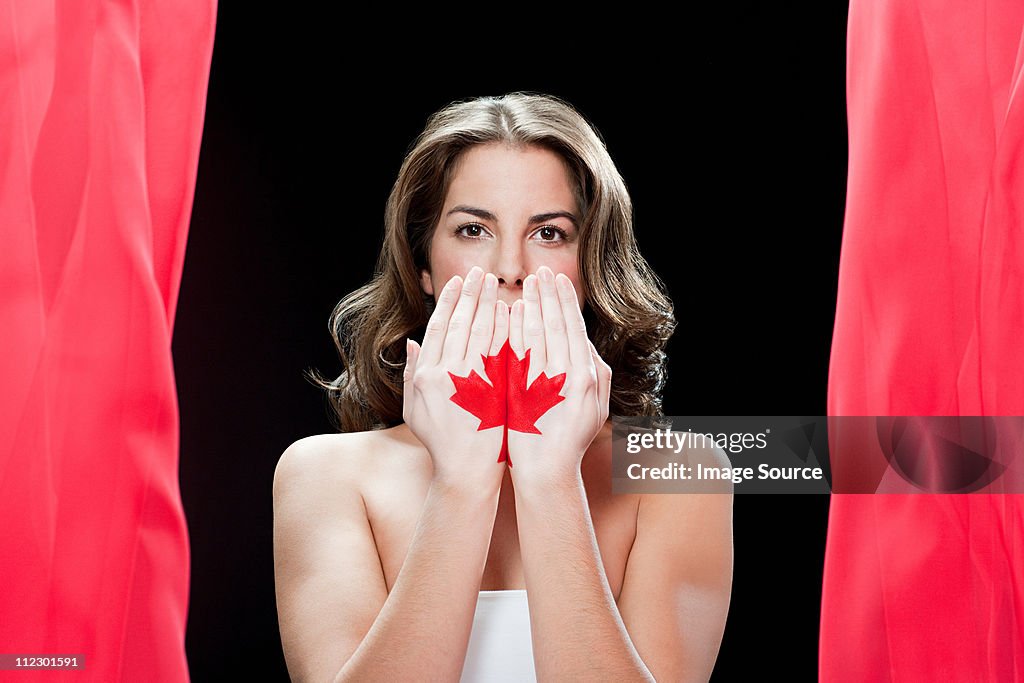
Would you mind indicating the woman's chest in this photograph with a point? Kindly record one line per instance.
(394, 513)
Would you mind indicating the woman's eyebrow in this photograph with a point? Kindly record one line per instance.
(473, 211)
(488, 216)
(543, 217)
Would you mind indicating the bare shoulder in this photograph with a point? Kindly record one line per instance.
(326, 481)
(698, 524)
(712, 504)
(706, 452)
(694, 518)
(322, 458)
(323, 462)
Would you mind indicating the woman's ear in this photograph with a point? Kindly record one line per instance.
(425, 283)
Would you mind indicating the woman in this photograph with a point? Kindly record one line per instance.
(428, 540)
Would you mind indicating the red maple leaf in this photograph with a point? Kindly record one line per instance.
(485, 401)
(526, 406)
(507, 400)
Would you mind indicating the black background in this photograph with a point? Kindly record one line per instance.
(729, 128)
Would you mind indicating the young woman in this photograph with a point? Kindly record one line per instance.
(463, 528)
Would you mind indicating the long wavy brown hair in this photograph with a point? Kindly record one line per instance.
(628, 313)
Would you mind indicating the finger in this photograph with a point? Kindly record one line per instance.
(455, 340)
(501, 328)
(555, 345)
(482, 330)
(515, 329)
(533, 327)
(411, 353)
(575, 325)
(437, 326)
(604, 382)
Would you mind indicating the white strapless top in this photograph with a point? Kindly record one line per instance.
(500, 648)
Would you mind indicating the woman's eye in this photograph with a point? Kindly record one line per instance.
(470, 230)
(549, 234)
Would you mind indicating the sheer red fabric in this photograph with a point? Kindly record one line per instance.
(100, 124)
(930, 321)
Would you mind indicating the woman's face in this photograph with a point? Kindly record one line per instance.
(509, 211)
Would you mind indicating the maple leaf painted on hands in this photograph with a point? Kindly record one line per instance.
(507, 400)
(526, 406)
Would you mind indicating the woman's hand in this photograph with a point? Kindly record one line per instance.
(466, 324)
(549, 323)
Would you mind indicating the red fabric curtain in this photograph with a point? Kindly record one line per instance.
(930, 321)
(100, 124)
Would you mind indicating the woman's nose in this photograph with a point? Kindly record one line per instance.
(510, 271)
(514, 282)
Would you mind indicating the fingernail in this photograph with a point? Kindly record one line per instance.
(545, 274)
(490, 281)
(474, 274)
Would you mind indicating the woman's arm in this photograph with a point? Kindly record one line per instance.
(576, 628)
(337, 620)
(678, 577)
(671, 613)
